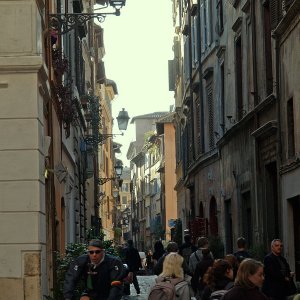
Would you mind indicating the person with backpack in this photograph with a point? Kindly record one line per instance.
(187, 248)
(170, 284)
(196, 256)
(249, 280)
(101, 274)
(201, 268)
(218, 280)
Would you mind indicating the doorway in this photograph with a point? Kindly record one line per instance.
(295, 201)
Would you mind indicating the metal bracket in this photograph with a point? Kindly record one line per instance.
(63, 23)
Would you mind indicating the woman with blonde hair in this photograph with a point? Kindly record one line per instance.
(173, 272)
(249, 279)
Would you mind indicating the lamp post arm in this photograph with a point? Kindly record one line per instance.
(64, 23)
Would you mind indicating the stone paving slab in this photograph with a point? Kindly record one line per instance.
(145, 283)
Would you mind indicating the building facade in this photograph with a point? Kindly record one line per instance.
(236, 136)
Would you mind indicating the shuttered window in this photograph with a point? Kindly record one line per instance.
(290, 128)
(210, 106)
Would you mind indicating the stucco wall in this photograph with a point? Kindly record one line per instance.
(22, 207)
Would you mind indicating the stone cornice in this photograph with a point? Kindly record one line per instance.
(286, 21)
(22, 64)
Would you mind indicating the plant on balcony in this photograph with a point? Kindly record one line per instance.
(66, 104)
(59, 62)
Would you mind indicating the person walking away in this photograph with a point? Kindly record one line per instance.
(218, 278)
(249, 280)
(101, 273)
(187, 248)
(159, 251)
(171, 248)
(279, 281)
(201, 268)
(149, 262)
(196, 257)
(172, 272)
(234, 263)
(133, 260)
(241, 252)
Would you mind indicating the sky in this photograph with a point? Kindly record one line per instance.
(138, 45)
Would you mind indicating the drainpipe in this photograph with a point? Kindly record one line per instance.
(255, 94)
(201, 121)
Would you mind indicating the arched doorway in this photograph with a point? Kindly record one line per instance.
(201, 210)
(213, 217)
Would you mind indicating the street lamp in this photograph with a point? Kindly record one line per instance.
(118, 172)
(122, 120)
(65, 22)
(99, 138)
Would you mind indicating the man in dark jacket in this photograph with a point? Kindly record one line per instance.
(278, 282)
(133, 260)
(241, 252)
(172, 247)
(102, 275)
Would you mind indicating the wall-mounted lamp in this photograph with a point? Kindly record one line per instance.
(63, 23)
(118, 172)
(232, 121)
(122, 120)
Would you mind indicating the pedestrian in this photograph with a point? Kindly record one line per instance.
(279, 281)
(187, 248)
(234, 263)
(201, 268)
(218, 277)
(159, 251)
(249, 280)
(196, 257)
(172, 247)
(133, 260)
(149, 262)
(241, 252)
(101, 273)
(173, 271)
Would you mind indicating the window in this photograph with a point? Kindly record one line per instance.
(290, 128)
(186, 66)
(210, 105)
(239, 77)
(125, 187)
(268, 48)
(222, 97)
(220, 25)
(205, 13)
(194, 40)
(124, 200)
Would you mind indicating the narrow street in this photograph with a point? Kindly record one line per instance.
(145, 282)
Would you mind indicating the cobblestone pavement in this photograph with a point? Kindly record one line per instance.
(145, 283)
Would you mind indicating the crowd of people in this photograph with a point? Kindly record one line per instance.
(193, 272)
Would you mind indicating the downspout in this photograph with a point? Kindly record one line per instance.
(201, 121)
(278, 132)
(255, 94)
